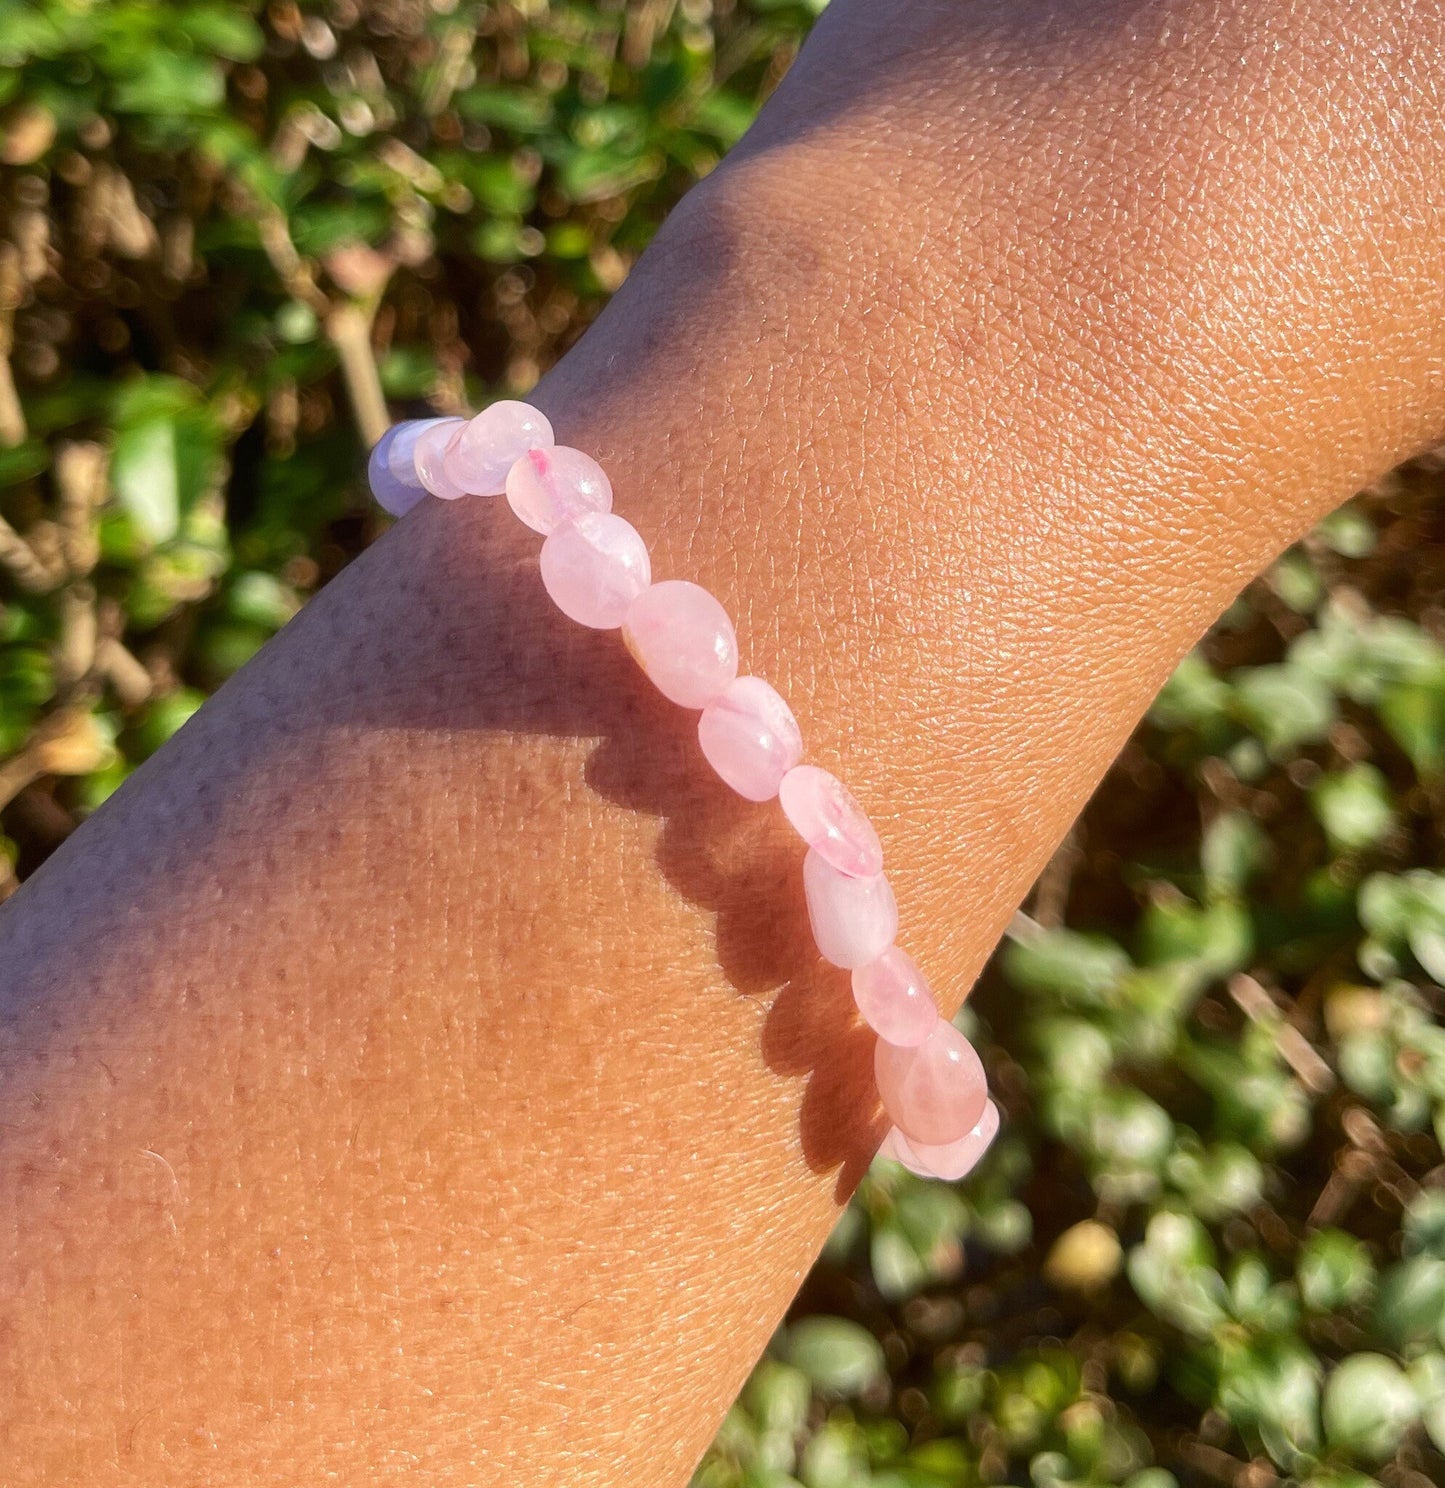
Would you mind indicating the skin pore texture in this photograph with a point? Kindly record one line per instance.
(420, 1071)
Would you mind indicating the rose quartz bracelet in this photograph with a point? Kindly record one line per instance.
(596, 569)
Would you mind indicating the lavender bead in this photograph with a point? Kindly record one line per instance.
(391, 494)
(392, 467)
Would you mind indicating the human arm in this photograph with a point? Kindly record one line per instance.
(422, 1062)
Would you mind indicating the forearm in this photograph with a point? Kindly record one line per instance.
(423, 1060)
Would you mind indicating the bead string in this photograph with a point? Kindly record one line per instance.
(596, 569)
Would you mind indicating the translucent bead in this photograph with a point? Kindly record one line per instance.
(895, 999)
(401, 457)
(594, 567)
(854, 920)
(750, 737)
(682, 638)
(492, 443)
(950, 1160)
(825, 815)
(547, 487)
(935, 1091)
(889, 1148)
(428, 456)
(392, 494)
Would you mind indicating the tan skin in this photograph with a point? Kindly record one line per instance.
(419, 1070)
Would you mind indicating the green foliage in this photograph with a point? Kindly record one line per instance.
(203, 201)
(1223, 1072)
(1209, 1245)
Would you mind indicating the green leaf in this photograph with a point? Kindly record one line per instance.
(1414, 714)
(835, 1457)
(1369, 1404)
(1285, 706)
(1350, 532)
(1234, 849)
(22, 462)
(1270, 1389)
(1424, 1225)
(1334, 1271)
(1077, 968)
(1297, 582)
(837, 1355)
(778, 1396)
(168, 83)
(146, 476)
(1173, 1273)
(1215, 939)
(1411, 1301)
(1192, 698)
(1427, 1375)
(898, 1269)
(224, 30)
(1354, 806)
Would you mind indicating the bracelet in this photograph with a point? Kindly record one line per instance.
(596, 569)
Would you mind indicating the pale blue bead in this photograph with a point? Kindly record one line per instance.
(392, 495)
(392, 468)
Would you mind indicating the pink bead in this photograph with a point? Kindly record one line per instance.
(594, 567)
(889, 1148)
(429, 453)
(895, 999)
(492, 443)
(682, 638)
(750, 737)
(934, 1092)
(825, 815)
(854, 920)
(547, 487)
(401, 458)
(950, 1160)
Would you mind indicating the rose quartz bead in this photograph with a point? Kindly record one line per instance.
(682, 638)
(889, 1148)
(895, 999)
(547, 487)
(492, 443)
(402, 456)
(934, 1092)
(951, 1160)
(594, 567)
(750, 737)
(428, 455)
(825, 815)
(854, 920)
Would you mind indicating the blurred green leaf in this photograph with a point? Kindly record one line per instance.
(838, 1356)
(1369, 1404)
(1354, 807)
(1334, 1270)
